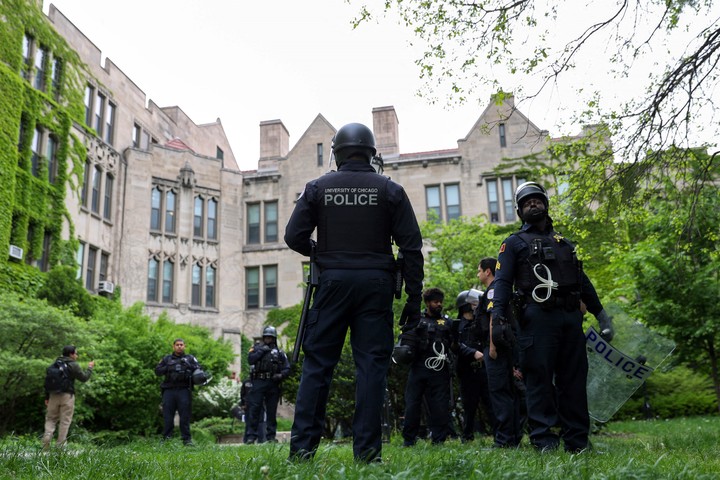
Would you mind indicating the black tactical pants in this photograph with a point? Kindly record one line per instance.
(554, 363)
(360, 300)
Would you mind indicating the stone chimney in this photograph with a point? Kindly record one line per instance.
(386, 130)
(274, 144)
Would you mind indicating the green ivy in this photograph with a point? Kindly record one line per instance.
(31, 206)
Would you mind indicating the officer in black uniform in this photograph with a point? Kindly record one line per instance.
(430, 372)
(358, 214)
(177, 368)
(471, 366)
(500, 362)
(549, 285)
(270, 366)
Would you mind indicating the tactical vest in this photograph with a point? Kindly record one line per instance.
(270, 362)
(471, 333)
(434, 330)
(178, 373)
(354, 215)
(555, 252)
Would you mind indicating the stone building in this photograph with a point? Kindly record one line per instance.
(165, 213)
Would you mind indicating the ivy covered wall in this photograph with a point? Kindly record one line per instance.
(31, 205)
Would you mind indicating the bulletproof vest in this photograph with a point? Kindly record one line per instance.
(555, 252)
(178, 372)
(270, 362)
(354, 215)
(471, 333)
(434, 330)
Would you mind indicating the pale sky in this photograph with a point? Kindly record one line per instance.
(250, 61)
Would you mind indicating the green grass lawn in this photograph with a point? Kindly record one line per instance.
(675, 449)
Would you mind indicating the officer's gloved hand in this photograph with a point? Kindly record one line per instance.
(265, 348)
(277, 377)
(410, 316)
(606, 325)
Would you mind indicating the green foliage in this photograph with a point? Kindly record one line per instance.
(64, 290)
(672, 393)
(457, 248)
(20, 278)
(217, 427)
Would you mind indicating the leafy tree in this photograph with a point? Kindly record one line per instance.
(662, 64)
(63, 289)
(33, 335)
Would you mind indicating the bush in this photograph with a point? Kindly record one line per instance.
(677, 392)
(217, 427)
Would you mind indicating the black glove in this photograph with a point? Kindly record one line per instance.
(606, 325)
(265, 348)
(410, 316)
(502, 333)
(277, 377)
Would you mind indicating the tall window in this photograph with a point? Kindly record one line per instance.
(26, 49)
(253, 223)
(432, 198)
(89, 97)
(136, 132)
(252, 287)
(104, 261)
(196, 288)
(51, 157)
(198, 217)
(90, 271)
(109, 123)
(168, 281)
(152, 284)
(507, 186)
(170, 209)
(95, 200)
(37, 137)
(501, 131)
(99, 113)
(56, 76)
(210, 286)
(41, 63)
(86, 183)
(212, 219)
(271, 222)
(493, 202)
(452, 201)
(219, 154)
(80, 260)
(270, 283)
(320, 160)
(107, 196)
(155, 199)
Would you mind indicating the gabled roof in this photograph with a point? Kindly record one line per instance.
(178, 144)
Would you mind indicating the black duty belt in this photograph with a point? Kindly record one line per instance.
(262, 376)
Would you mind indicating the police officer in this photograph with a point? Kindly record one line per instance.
(500, 361)
(470, 365)
(430, 372)
(549, 284)
(270, 366)
(358, 214)
(177, 368)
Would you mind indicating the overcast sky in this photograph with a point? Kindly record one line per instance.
(250, 61)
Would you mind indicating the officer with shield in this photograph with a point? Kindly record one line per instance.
(358, 215)
(541, 267)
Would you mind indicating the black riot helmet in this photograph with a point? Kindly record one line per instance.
(467, 300)
(528, 190)
(353, 139)
(403, 355)
(270, 332)
(199, 377)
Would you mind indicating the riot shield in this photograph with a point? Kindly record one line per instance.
(617, 369)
